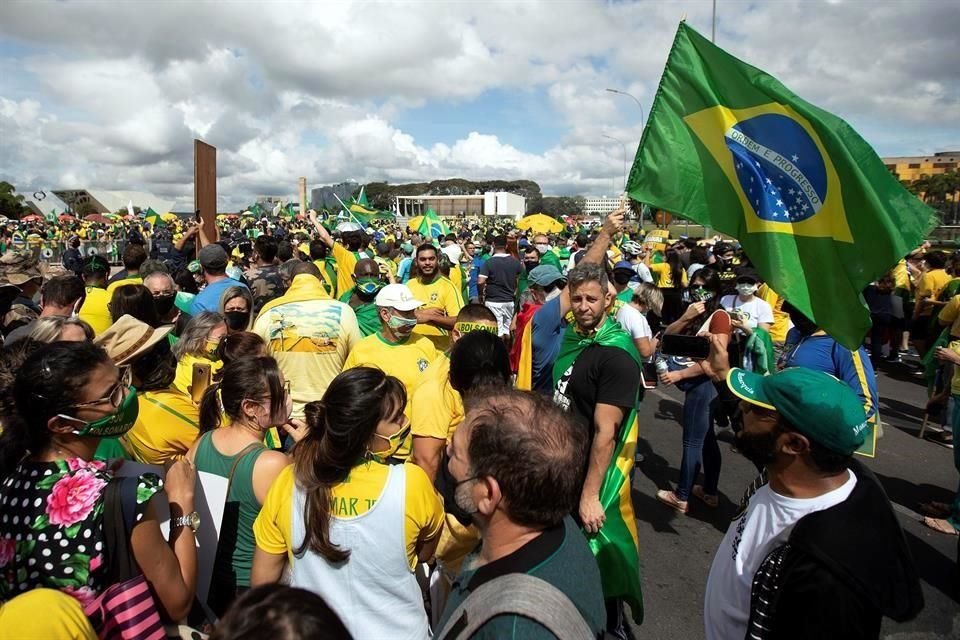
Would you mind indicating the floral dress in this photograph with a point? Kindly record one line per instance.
(51, 532)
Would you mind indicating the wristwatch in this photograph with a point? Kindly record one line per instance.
(191, 520)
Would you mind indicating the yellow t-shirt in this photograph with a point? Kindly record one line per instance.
(166, 427)
(349, 499)
(184, 378)
(901, 277)
(950, 315)
(346, 262)
(44, 613)
(94, 310)
(439, 294)
(437, 408)
(661, 273)
(930, 285)
(113, 286)
(781, 319)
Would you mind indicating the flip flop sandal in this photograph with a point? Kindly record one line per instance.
(940, 525)
(670, 499)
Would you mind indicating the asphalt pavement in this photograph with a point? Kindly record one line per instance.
(676, 550)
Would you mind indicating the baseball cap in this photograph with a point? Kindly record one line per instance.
(213, 257)
(623, 264)
(544, 275)
(816, 404)
(748, 275)
(397, 296)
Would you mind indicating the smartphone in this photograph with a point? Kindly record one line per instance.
(649, 378)
(197, 216)
(201, 380)
(694, 347)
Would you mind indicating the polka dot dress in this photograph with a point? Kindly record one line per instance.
(51, 536)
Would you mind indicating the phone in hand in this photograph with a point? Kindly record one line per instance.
(202, 377)
(693, 347)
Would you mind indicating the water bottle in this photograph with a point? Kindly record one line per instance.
(661, 364)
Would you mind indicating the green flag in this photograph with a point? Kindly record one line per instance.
(815, 209)
(153, 218)
(431, 226)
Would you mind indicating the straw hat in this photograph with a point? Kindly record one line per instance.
(129, 338)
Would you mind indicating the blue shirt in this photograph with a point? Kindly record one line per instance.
(822, 353)
(403, 270)
(546, 334)
(209, 298)
(475, 265)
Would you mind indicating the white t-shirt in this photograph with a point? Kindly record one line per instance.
(765, 525)
(643, 272)
(634, 322)
(757, 310)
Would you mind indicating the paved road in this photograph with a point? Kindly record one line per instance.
(677, 550)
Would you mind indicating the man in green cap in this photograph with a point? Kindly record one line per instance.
(815, 550)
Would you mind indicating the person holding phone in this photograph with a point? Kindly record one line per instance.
(700, 448)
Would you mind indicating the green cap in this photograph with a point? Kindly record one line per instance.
(816, 404)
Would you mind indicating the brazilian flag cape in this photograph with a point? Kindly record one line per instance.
(616, 546)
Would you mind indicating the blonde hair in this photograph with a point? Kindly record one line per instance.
(49, 328)
(650, 296)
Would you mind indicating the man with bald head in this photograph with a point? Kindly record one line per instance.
(368, 280)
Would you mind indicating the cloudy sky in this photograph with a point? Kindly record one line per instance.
(111, 94)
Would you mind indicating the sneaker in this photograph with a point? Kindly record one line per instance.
(712, 501)
(670, 499)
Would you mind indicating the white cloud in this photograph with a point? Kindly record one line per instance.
(110, 95)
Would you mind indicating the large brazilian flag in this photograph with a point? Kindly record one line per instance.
(816, 210)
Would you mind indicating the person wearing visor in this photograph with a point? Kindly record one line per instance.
(815, 550)
(327, 517)
(368, 281)
(68, 397)
(394, 347)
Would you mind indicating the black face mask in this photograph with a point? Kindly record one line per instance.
(237, 320)
(164, 304)
(622, 277)
(530, 266)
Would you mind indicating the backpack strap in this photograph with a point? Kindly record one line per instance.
(119, 518)
(522, 595)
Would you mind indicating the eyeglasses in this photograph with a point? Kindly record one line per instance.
(117, 393)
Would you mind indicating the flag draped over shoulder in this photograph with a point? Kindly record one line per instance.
(616, 546)
(816, 210)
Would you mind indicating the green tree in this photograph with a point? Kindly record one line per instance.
(11, 203)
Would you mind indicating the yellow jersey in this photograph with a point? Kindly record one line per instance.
(94, 310)
(950, 315)
(664, 278)
(184, 376)
(346, 262)
(166, 427)
(439, 294)
(352, 498)
(437, 408)
(781, 319)
(113, 286)
(929, 286)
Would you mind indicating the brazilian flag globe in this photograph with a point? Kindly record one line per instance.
(816, 210)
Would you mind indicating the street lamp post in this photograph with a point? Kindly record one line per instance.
(630, 95)
(623, 145)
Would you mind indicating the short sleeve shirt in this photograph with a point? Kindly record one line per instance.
(950, 315)
(501, 273)
(599, 375)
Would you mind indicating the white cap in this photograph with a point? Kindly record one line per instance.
(397, 296)
(453, 252)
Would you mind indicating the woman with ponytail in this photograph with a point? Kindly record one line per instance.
(250, 397)
(67, 397)
(351, 526)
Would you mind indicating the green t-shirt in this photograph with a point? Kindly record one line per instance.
(560, 555)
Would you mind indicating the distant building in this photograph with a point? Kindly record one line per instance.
(326, 197)
(910, 168)
(494, 203)
(101, 201)
(601, 206)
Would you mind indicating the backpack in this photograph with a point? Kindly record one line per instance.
(517, 594)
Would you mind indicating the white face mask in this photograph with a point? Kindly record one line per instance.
(542, 248)
(746, 289)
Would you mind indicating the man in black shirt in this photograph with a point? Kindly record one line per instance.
(498, 284)
(598, 383)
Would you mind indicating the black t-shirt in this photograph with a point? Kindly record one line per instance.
(599, 375)
(502, 272)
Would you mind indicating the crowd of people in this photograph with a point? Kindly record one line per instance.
(436, 436)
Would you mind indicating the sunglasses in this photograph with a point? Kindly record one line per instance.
(117, 393)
